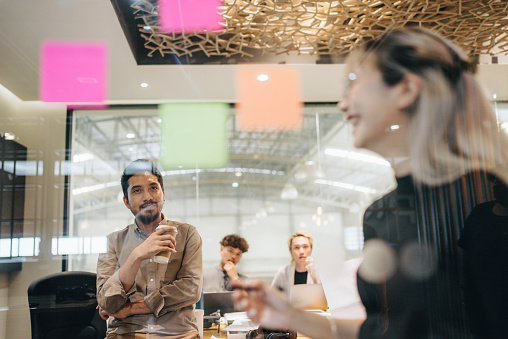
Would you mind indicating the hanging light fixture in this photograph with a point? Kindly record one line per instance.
(289, 192)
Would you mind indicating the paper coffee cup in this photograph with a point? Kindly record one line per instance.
(163, 256)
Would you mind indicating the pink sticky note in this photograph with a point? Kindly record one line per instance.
(188, 16)
(85, 107)
(73, 72)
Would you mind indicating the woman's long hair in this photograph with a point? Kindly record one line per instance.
(453, 126)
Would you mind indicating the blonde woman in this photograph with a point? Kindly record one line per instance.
(301, 270)
(447, 135)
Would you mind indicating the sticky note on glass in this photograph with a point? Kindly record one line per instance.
(73, 72)
(189, 16)
(87, 107)
(194, 135)
(268, 98)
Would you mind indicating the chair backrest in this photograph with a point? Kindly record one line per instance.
(63, 305)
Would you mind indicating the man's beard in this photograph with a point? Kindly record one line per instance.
(145, 217)
(148, 219)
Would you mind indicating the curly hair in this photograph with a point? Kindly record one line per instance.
(235, 241)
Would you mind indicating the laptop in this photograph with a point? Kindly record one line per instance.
(308, 297)
(213, 301)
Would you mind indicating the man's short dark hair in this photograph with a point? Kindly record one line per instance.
(139, 166)
(235, 241)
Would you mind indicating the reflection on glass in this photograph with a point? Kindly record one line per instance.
(271, 185)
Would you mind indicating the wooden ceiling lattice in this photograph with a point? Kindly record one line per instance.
(332, 27)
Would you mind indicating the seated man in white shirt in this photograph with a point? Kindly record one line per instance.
(218, 278)
(301, 270)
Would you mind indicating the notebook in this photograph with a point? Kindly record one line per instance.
(308, 297)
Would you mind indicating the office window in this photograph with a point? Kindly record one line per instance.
(274, 184)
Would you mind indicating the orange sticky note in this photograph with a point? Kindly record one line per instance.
(268, 98)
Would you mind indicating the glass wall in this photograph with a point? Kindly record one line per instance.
(252, 196)
(60, 168)
(274, 184)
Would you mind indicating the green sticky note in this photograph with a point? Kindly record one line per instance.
(194, 135)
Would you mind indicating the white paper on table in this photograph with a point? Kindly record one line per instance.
(231, 317)
(337, 276)
(241, 325)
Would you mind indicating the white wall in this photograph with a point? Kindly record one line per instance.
(41, 128)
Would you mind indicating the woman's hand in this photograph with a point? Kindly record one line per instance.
(271, 309)
(263, 304)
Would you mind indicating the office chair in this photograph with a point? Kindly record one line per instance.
(63, 306)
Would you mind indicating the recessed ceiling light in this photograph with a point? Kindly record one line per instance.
(263, 77)
(144, 84)
(235, 184)
(238, 174)
(130, 135)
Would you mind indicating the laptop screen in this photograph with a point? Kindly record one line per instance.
(308, 297)
(213, 301)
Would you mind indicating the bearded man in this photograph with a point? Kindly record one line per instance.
(140, 297)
